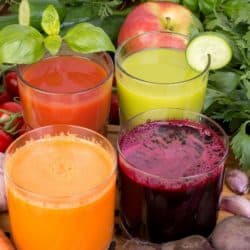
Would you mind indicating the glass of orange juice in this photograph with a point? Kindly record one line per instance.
(61, 189)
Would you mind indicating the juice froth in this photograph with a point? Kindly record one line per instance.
(154, 146)
(171, 175)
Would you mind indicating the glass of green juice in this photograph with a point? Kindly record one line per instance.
(152, 72)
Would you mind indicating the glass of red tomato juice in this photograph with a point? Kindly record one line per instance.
(171, 167)
(68, 88)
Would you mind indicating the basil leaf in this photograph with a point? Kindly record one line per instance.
(87, 38)
(53, 43)
(50, 21)
(20, 44)
(24, 13)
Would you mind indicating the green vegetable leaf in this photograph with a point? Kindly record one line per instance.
(207, 6)
(87, 38)
(50, 21)
(191, 4)
(225, 82)
(20, 44)
(212, 96)
(237, 10)
(24, 13)
(241, 145)
(53, 44)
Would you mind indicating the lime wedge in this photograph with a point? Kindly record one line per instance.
(208, 43)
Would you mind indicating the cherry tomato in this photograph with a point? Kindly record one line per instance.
(11, 119)
(4, 97)
(5, 140)
(11, 106)
(10, 83)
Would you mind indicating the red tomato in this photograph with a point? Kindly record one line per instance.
(5, 140)
(11, 119)
(11, 106)
(10, 83)
(4, 97)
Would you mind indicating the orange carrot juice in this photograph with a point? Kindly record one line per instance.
(67, 89)
(61, 190)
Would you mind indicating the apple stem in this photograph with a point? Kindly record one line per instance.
(167, 23)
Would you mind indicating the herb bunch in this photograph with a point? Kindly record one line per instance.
(24, 44)
(228, 94)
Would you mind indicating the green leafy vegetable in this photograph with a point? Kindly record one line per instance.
(24, 13)
(24, 44)
(50, 21)
(100, 8)
(53, 44)
(86, 38)
(51, 25)
(32, 11)
(224, 81)
(20, 44)
(241, 145)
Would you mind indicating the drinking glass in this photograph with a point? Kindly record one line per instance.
(68, 88)
(171, 165)
(152, 72)
(60, 183)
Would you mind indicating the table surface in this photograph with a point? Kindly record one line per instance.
(119, 239)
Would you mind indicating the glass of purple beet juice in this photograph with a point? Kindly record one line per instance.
(171, 167)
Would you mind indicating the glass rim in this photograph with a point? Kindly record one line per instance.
(54, 198)
(132, 166)
(43, 91)
(124, 43)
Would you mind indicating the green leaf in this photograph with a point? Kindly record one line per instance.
(224, 81)
(206, 6)
(87, 38)
(212, 96)
(50, 21)
(237, 10)
(20, 44)
(241, 145)
(53, 44)
(24, 13)
(191, 4)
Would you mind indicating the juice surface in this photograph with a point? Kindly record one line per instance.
(66, 90)
(62, 166)
(171, 180)
(164, 68)
(65, 74)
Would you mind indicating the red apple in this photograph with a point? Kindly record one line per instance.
(164, 16)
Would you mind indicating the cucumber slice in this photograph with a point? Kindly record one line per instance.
(208, 43)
